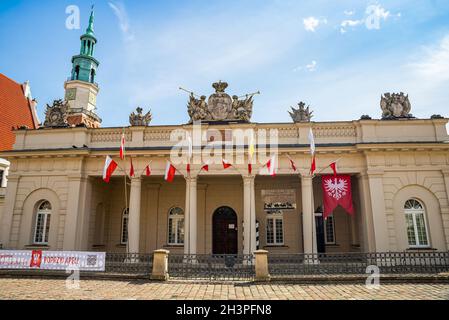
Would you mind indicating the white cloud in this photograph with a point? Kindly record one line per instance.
(433, 64)
(311, 23)
(120, 12)
(310, 67)
(349, 12)
(350, 23)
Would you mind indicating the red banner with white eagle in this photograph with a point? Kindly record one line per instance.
(337, 191)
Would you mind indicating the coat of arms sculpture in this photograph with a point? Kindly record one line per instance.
(138, 119)
(302, 114)
(220, 106)
(395, 106)
(56, 115)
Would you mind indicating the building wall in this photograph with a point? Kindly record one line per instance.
(385, 174)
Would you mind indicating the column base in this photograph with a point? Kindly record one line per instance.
(311, 261)
(159, 277)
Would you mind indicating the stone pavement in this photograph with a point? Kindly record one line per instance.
(145, 290)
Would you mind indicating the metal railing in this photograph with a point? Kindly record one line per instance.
(129, 263)
(357, 263)
(211, 267)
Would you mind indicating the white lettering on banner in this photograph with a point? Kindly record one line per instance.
(52, 260)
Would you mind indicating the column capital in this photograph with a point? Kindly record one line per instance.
(192, 179)
(13, 178)
(375, 173)
(248, 178)
(136, 179)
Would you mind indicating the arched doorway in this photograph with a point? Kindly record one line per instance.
(224, 230)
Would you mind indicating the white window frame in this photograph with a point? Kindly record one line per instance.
(123, 230)
(276, 215)
(46, 213)
(414, 213)
(175, 219)
(326, 221)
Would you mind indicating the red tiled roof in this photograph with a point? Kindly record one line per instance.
(16, 110)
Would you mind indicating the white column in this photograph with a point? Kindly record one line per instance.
(366, 215)
(376, 190)
(193, 219)
(308, 215)
(134, 215)
(74, 211)
(187, 219)
(8, 211)
(249, 215)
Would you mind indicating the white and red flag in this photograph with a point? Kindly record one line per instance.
(272, 166)
(131, 170)
(205, 167)
(333, 166)
(122, 147)
(292, 164)
(148, 171)
(337, 191)
(109, 168)
(190, 152)
(226, 164)
(312, 151)
(170, 172)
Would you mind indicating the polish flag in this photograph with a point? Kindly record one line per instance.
(313, 165)
(333, 165)
(122, 147)
(148, 171)
(312, 151)
(170, 172)
(190, 151)
(272, 166)
(226, 164)
(205, 167)
(109, 168)
(131, 170)
(292, 164)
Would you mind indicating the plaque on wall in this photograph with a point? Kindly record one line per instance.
(279, 199)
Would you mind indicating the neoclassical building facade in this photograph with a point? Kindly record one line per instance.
(56, 198)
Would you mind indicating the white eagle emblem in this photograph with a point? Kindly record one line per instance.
(336, 189)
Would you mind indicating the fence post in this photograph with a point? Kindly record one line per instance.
(262, 265)
(160, 265)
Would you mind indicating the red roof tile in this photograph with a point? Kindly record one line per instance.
(15, 111)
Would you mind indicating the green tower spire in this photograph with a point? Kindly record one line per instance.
(85, 65)
(90, 28)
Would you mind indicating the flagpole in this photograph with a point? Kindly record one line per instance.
(324, 168)
(125, 175)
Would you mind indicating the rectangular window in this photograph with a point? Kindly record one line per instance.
(329, 227)
(275, 229)
(1, 178)
(42, 229)
(410, 230)
(421, 229)
(176, 231)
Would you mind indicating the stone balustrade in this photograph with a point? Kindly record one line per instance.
(326, 133)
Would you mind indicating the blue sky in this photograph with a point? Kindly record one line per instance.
(326, 53)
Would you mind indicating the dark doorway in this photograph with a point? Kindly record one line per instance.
(321, 244)
(224, 230)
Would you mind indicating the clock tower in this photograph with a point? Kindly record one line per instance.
(81, 90)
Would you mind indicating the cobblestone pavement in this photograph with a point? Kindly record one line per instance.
(145, 290)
